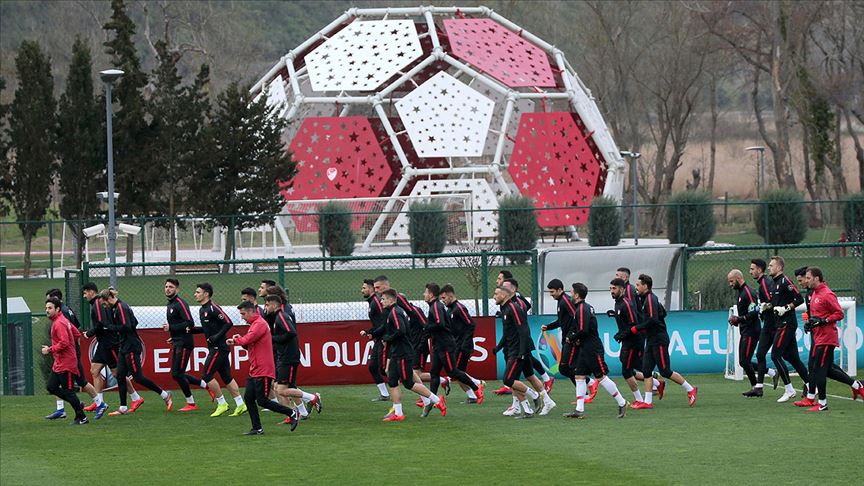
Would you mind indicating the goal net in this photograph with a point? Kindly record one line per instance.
(846, 357)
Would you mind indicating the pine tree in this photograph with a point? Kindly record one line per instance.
(80, 145)
(32, 132)
(247, 164)
(5, 172)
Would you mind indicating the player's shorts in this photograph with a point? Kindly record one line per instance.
(400, 371)
(590, 362)
(657, 356)
(569, 356)
(286, 374)
(517, 366)
(631, 359)
(105, 354)
(217, 362)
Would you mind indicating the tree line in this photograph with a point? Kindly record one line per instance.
(177, 151)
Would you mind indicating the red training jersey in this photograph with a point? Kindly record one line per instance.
(259, 343)
(824, 304)
(63, 345)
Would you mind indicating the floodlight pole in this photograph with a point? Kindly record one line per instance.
(108, 77)
(634, 184)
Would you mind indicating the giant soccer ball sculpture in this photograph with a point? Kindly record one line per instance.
(401, 103)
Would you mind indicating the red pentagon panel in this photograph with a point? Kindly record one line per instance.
(499, 52)
(336, 158)
(410, 154)
(554, 164)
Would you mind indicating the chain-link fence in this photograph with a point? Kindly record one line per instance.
(55, 246)
(319, 288)
(707, 268)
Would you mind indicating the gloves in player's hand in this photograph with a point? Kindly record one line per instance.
(496, 349)
(734, 320)
(816, 321)
(808, 327)
(781, 310)
(620, 336)
(610, 313)
(765, 307)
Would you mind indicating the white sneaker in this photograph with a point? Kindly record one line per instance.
(511, 411)
(786, 397)
(548, 405)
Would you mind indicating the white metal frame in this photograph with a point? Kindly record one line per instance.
(575, 92)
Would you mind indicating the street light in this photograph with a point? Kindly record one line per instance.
(634, 184)
(108, 77)
(761, 151)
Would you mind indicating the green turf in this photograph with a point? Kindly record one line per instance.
(725, 438)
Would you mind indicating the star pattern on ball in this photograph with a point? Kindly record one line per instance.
(410, 154)
(337, 157)
(363, 55)
(501, 53)
(554, 164)
(446, 118)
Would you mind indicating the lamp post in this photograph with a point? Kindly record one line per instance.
(634, 184)
(761, 151)
(108, 77)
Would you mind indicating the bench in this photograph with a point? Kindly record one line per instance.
(555, 232)
(274, 267)
(203, 268)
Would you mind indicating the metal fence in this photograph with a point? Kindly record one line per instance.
(319, 288)
(707, 267)
(54, 247)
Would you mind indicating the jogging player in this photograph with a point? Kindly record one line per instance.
(65, 367)
(785, 299)
(181, 328)
(376, 358)
(764, 292)
(463, 332)
(262, 369)
(626, 316)
(566, 313)
(629, 290)
(746, 318)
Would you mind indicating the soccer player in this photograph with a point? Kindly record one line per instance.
(215, 325)
(548, 381)
(80, 379)
(631, 354)
(262, 369)
(105, 355)
(629, 290)
(288, 355)
(823, 314)
(764, 291)
(747, 321)
(584, 334)
(181, 327)
(784, 300)
(442, 345)
(652, 321)
(566, 312)
(401, 355)
(517, 340)
(376, 359)
(65, 365)
(124, 323)
(463, 330)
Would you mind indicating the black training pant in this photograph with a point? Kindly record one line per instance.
(256, 393)
(376, 362)
(746, 348)
(179, 360)
(129, 364)
(766, 340)
(567, 363)
(60, 384)
(444, 360)
(786, 349)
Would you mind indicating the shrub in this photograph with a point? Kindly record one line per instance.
(690, 219)
(604, 222)
(517, 226)
(714, 292)
(787, 221)
(427, 227)
(334, 229)
(853, 217)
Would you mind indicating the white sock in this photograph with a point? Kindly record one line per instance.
(546, 398)
(382, 389)
(649, 397)
(302, 408)
(136, 396)
(275, 400)
(475, 381)
(470, 393)
(771, 372)
(637, 394)
(515, 402)
(532, 393)
(60, 405)
(811, 396)
(856, 385)
(203, 384)
(527, 407)
(545, 377)
(581, 388)
(789, 388)
(123, 408)
(823, 402)
(434, 399)
(220, 400)
(98, 399)
(425, 400)
(687, 386)
(190, 400)
(238, 400)
(397, 408)
(164, 395)
(656, 383)
(307, 396)
(591, 381)
(758, 385)
(612, 389)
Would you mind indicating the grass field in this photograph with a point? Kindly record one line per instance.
(725, 439)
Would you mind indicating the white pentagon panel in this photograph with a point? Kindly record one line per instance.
(363, 55)
(483, 223)
(446, 118)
